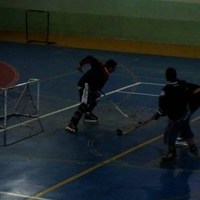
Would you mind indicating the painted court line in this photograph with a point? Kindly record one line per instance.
(101, 164)
(153, 162)
(140, 93)
(75, 105)
(22, 196)
(95, 167)
(64, 109)
(149, 83)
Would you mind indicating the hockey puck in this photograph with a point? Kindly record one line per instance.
(119, 132)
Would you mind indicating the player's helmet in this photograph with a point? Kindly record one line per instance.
(111, 64)
(171, 74)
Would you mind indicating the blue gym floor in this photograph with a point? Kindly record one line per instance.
(96, 164)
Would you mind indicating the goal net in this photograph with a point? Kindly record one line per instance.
(37, 26)
(19, 107)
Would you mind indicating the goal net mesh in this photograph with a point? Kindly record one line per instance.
(19, 107)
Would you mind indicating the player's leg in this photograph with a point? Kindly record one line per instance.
(170, 135)
(72, 126)
(82, 108)
(188, 136)
(92, 103)
(89, 116)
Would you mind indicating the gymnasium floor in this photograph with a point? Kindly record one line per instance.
(96, 164)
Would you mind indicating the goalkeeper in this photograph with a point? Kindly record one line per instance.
(90, 83)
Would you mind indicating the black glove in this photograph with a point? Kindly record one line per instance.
(96, 94)
(156, 116)
(80, 68)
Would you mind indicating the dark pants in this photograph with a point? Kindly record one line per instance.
(92, 99)
(85, 107)
(194, 105)
(174, 129)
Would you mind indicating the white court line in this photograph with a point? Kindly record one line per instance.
(73, 106)
(40, 117)
(148, 83)
(22, 196)
(123, 88)
(140, 93)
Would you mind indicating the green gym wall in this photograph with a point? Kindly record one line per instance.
(159, 21)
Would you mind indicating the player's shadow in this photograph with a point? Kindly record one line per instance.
(184, 161)
(173, 185)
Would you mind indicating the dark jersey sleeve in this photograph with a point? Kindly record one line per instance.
(96, 76)
(89, 60)
(173, 101)
(190, 87)
(193, 98)
(194, 102)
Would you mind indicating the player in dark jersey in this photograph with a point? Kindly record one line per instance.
(194, 103)
(173, 103)
(89, 86)
(193, 95)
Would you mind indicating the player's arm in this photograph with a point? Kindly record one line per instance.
(159, 113)
(192, 88)
(197, 90)
(162, 106)
(87, 60)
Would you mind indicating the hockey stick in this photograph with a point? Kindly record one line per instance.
(115, 105)
(126, 131)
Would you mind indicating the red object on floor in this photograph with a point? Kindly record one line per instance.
(8, 75)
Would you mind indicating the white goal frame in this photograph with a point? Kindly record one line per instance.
(6, 113)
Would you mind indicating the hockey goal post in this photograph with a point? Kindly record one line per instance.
(37, 26)
(19, 103)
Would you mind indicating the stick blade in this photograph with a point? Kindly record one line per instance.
(133, 127)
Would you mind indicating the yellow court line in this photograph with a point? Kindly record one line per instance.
(93, 168)
(101, 164)
(153, 162)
